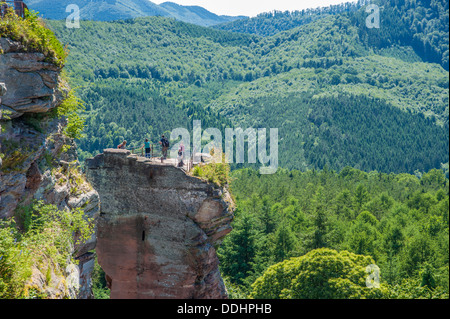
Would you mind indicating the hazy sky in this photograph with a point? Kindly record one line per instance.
(253, 7)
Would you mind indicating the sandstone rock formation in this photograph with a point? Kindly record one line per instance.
(40, 161)
(158, 229)
(34, 86)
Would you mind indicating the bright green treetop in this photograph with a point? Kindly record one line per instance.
(320, 274)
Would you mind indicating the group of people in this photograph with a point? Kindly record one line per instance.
(165, 144)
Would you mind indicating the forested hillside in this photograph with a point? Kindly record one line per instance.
(271, 23)
(103, 10)
(421, 24)
(309, 82)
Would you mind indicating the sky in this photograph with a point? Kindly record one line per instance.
(253, 7)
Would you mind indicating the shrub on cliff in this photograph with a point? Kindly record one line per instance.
(40, 232)
(15, 263)
(217, 171)
(71, 108)
(33, 34)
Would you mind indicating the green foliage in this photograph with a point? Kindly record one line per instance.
(342, 130)
(46, 234)
(363, 236)
(215, 172)
(52, 230)
(13, 155)
(237, 260)
(13, 161)
(72, 108)
(399, 220)
(99, 286)
(15, 263)
(153, 48)
(422, 24)
(33, 34)
(412, 289)
(320, 274)
(270, 23)
(234, 291)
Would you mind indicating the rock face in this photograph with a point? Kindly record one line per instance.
(40, 162)
(33, 84)
(2, 92)
(158, 229)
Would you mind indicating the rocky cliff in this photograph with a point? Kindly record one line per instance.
(33, 85)
(39, 162)
(158, 228)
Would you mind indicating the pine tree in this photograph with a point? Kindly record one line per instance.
(284, 242)
(238, 250)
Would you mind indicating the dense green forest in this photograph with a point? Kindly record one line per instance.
(164, 74)
(344, 130)
(420, 24)
(399, 220)
(271, 23)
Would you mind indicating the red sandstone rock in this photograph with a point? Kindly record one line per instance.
(158, 229)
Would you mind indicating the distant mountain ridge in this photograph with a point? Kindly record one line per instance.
(196, 14)
(273, 22)
(109, 10)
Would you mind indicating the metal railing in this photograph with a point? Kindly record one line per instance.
(156, 151)
(156, 156)
(18, 6)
